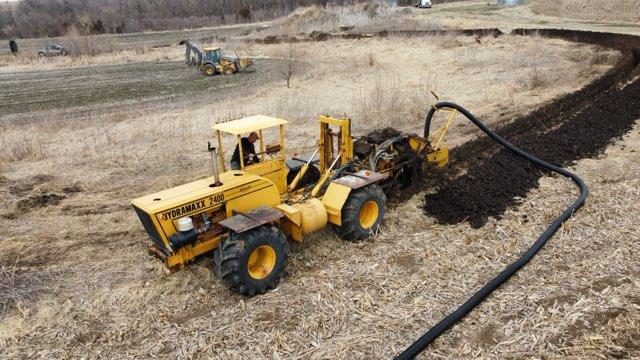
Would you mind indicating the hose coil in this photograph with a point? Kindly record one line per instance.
(421, 344)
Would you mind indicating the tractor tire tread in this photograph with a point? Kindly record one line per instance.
(216, 263)
(350, 229)
(234, 252)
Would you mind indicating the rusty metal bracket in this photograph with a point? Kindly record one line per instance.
(244, 221)
(154, 251)
(360, 179)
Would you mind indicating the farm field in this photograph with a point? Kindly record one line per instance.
(81, 91)
(83, 136)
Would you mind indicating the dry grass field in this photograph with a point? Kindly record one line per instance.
(613, 11)
(83, 136)
(617, 16)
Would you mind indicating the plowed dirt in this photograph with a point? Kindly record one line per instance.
(584, 123)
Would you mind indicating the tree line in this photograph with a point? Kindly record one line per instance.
(47, 18)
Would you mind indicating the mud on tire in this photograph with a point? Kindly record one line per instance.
(252, 262)
(362, 213)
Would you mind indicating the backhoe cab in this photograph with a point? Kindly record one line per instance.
(245, 216)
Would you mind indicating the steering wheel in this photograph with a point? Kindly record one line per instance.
(251, 159)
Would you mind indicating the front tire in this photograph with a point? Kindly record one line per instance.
(209, 70)
(362, 213)
(252, 262)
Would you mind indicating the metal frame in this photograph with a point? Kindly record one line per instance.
(325, 143)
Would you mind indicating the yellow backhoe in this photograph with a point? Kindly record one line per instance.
(211, 60)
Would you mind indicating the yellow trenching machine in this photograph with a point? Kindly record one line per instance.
(245, 216)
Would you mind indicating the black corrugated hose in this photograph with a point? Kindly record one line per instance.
(419, 345)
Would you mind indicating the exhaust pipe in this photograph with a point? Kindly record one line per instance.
(214, 163)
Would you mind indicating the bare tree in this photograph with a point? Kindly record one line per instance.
(37, 18)
(290, 65)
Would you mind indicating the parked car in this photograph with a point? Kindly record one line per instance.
(53, 50)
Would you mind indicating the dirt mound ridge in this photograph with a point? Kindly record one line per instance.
(302, 17)
(576, 126)
(323, 36)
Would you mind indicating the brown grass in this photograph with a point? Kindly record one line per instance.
(104, 297)
(20, 148)
(358, 18)
(20, 289)
(613, 11)
(615, 16)
(88, 46)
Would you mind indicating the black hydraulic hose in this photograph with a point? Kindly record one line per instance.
(419, 345)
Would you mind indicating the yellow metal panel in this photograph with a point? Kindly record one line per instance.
(192, 191)
(292, 213)
(325, 147)
(282, 144)
(345, 146)
(313, 215)
(262, 154)
(333, 200)
(250, 197)
(272, 170)
(239, 190)
(417, 143)
(439, 157)
(292, 230)
(332, 121)
(249, 124)
(292, 222)
(189, 252)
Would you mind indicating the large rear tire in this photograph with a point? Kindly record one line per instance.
(362, 213)
(252, 262)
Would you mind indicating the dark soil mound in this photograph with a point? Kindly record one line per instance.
(35, 202)
(584, 123)
(271, 40)
(319, 35)
(364, 145)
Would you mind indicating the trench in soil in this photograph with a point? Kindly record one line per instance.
(576, 126)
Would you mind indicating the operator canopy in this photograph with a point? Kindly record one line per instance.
(248, 124)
